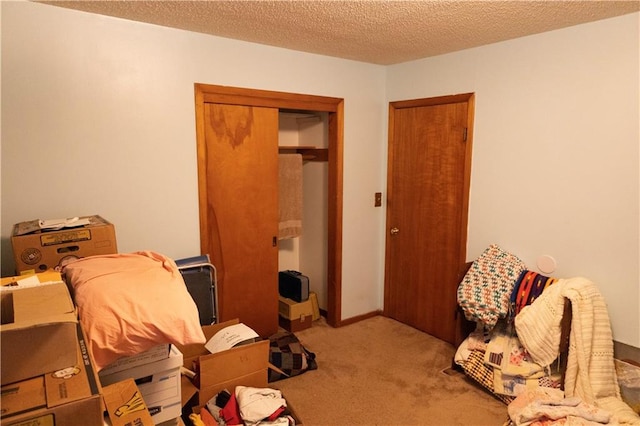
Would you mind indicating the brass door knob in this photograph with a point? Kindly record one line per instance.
(394, 231)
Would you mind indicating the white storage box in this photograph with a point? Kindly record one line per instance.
(159, 384)
(156, 353)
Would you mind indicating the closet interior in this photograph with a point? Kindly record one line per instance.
(304, 136)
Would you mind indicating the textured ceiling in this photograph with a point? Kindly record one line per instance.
(379, 32)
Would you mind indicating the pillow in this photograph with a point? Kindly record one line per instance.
(485, 291)
(129, 303)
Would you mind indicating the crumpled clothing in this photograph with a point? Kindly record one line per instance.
(196, 419)
(258, 404)
(514, 385)
(230, 413)
(207, 418)
(478, 338)
(279, 421)
(505, 352)
(547, 406)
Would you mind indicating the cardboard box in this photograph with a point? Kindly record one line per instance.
(157, 353)
(125, 405)
(62, 397)
(42, 277)
(315, 306)
(290, 309)
(38, 250)
(292, 411)
(295, 325)
(37, 330)
(159, 384)
(173, 422)
(245, 365)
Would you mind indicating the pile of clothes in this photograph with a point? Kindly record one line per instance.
(245, 406)
(520, 317)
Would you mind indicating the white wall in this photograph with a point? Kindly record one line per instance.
(555, 166)
(98, 118)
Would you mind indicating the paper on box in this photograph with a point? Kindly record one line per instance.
(229, 337)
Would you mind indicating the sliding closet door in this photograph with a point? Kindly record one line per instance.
(240, 160)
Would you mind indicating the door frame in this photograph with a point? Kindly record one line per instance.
(208, 93)
(469, 98)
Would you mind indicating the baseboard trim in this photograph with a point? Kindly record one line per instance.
(622, 351)
(358, 318)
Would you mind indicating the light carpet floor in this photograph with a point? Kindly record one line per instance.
(381, 372)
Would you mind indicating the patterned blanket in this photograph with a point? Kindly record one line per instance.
(485, 291)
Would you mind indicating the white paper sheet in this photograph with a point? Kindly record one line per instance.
(229, 337)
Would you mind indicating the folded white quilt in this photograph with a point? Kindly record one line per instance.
(590, 372)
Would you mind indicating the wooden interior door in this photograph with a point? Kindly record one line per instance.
(427, 204)
(241, 206)
(236, 136)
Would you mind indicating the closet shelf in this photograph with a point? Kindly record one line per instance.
(309, 153)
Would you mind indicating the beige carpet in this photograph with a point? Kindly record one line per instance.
(381, 372)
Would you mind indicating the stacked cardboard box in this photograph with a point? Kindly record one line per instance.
(159, 383)
(35, 249)
(38, 330)
(157, 353)
(296, 316)
(67, 396)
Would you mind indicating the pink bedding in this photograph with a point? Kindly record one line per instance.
(128, 303)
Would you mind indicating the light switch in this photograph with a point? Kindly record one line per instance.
(378, 199)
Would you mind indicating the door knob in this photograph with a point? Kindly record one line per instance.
(394, 231)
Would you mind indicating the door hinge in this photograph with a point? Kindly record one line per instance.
(464, 135)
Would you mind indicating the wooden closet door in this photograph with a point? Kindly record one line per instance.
(241, 207)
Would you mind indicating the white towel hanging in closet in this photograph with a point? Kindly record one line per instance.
(290, 195)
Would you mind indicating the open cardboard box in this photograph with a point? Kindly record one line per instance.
(158, 382)
(245, 365)
(125, 405)
(67, 396)
(38, 331)
(292, 411)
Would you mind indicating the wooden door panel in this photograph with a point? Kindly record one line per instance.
(427, 194)
(210, 241)
(242, 211)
